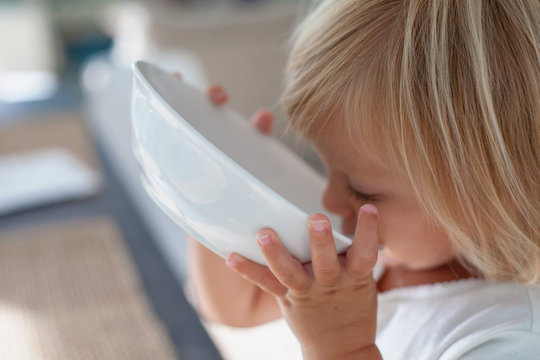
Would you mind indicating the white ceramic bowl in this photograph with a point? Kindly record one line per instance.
(215, 175)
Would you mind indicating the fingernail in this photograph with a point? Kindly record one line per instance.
(231, 261)
(370, 209)
(318, 225)
(263, 238)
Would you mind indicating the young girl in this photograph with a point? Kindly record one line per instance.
(427, 116)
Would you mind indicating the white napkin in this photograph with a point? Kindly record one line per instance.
(43, 177)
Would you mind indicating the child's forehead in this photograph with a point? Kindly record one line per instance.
(350, 131)
(340, 149)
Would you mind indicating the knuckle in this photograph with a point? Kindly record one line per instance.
(361, 260)
(298, 298)
(264, 284)
(290, 280)
(295, 283)
(330, 291)
(358, 270)
(328, 274)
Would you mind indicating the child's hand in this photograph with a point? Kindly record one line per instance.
(263, 119)
(331, 303)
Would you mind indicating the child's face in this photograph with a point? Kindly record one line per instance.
(409, 239)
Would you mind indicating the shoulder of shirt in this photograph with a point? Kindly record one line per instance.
(508, 328)
(458, 316)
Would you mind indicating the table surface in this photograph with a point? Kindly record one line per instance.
(161, 285)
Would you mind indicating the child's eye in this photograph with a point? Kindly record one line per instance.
(360, 196)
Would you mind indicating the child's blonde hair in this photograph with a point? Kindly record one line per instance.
(449, 91)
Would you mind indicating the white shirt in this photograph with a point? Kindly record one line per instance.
(466, 319)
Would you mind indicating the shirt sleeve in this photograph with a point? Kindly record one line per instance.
(270, 341)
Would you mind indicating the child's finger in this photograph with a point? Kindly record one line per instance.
(324, 258)
(217, 94)
(287, 270)
(362, 255)
(263, 120)
(260, 275)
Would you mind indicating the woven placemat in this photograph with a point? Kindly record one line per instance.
(70, 291)
(59, 129)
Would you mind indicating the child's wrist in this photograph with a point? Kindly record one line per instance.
(370, 352)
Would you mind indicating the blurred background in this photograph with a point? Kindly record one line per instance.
(89, 266)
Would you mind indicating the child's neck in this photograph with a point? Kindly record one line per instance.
(397, 277)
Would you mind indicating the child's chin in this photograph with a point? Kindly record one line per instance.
(386, 259)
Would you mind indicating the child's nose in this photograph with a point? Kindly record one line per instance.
(337, 203)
